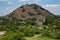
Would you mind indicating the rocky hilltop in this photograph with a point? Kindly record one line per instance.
(32, 11)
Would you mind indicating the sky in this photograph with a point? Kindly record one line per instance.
(7, 6)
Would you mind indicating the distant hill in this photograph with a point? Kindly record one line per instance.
(58, 16)
(32, 11)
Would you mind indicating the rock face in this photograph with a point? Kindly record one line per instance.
(2, 33)
(30, 11)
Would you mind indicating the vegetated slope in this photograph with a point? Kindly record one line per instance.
(38, 37)
(34, 12)
(58, 16)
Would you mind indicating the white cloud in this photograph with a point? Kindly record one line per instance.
(54, 5)
(7, 8)
(5, 11)
(22, 0)
(3, 0)
(6, 0)
(9, 2)
(54, 8)
(36, 1)
(14, 0)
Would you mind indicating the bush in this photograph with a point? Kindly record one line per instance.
(13, 36)
(52, 34)
(31, 21)
(39, 13)
(29, 30)
(22, 16)
(42, 8)
(55, 35)
(46, 33)
(35, 7)
(23, 10)
(29, 33)
(31, 14)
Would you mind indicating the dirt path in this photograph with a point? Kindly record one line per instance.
(33, 38)
(2, 32)
(38, 37)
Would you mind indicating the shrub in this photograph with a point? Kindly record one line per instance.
(31, 14)
(13, 36)
(35, 7)
(46, 33)
(23, 10)
(38, 13)
(55, 35)
(34, 19)
(29, 33)
(42, 8)
(29, 30)
(22, 16)
(21, 7)
(31, 21)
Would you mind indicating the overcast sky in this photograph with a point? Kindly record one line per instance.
(7, 6)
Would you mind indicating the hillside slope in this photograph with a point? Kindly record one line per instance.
(27, 12)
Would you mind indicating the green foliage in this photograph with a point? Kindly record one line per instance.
(29, 30)
(31, 14)
(56, 23)
(54, 34)
(35, 7)
(16, 31)
(21, 7)
(46, 33)
(34, 19)
(58, 35)
(48, 20)
(13, 36)
(22, 16)
(42, 8)
(31, 21)
(11, 14)
(38, 13)
(23, 10)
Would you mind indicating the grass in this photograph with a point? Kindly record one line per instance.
(29, 33)
(45, 38)
(38, 37)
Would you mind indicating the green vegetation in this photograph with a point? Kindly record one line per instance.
(49, 20)
(21, 7)
(31, 14)
(38, 13)
(42, 8)
(23, 10)
(19, 29)
(38, 37)
(17, 33)
(13, 36)
(22, 16)
(31, 21)
(35, 7)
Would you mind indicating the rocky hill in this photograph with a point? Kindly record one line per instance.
(32, 11)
